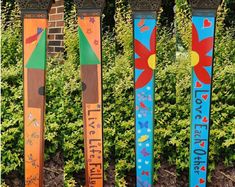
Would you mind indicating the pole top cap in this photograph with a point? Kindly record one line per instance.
(145, 5)
(35, 5)
(205, 4)
(90, 6)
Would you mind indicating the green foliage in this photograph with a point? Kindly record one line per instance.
(172, 95)
(64, 125)
(12, 100)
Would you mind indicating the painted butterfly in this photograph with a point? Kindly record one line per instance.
(145, 173)
(144, 152)
(34, 37)
(143, 124)
(142, 27)
(142, 105)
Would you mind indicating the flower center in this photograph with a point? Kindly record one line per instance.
(152, 61)
(194, 58)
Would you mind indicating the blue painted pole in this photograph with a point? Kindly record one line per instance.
(144, 31)
(203, 34)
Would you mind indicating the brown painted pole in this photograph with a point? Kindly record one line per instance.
(35, 17)
(89, 21)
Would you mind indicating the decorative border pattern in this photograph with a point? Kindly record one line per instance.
(205, 4)
(148, 5)
(35, 4)
(93, 4)
(202, 63)
(145, 59)
(36, 15)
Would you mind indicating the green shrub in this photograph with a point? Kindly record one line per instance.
(64, 125)
(12, 100)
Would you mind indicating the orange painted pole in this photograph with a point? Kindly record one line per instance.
(35, 16)
(89, 21)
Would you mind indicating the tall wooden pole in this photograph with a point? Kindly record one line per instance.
(203, 34)
(89, 21)
(34, 15)
(144, 29)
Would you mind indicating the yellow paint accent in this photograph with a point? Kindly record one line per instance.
(194, 58)
(143, 138)
(152, 61)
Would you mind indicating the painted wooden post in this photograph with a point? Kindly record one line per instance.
(203, 33)
(89, 21)
(35, 15)
(144, 28)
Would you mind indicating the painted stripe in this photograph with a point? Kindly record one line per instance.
(202, 62)
(145, 59)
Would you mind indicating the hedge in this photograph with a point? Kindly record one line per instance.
(64, 132)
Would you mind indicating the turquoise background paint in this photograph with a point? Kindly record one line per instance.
(144, 116)
(202, 134)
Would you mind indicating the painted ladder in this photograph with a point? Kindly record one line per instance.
(35, 16)
(89, 21)
(144, 28)
(203, 33)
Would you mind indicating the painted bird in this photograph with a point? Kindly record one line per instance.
(142, 105)
(34, 37)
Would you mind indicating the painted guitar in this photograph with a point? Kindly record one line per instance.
(203, 34)
(89, 21)
(34, 41)
(144, 23)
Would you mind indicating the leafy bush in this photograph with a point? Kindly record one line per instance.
(12, 100)
(64, 126)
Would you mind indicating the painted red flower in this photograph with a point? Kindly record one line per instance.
(199, 56)
(146, 60)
